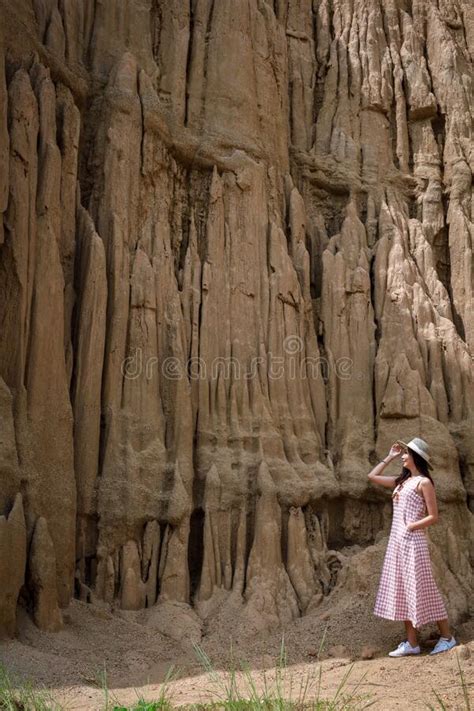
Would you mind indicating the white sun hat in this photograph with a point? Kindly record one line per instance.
(419, 446)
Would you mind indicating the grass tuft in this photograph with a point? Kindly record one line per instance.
(163, 702)
(19, 695)
(464, 686)
(239, 690)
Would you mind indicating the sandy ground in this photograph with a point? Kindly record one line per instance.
(137, 649)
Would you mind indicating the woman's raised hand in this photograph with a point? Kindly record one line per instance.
(395, 450)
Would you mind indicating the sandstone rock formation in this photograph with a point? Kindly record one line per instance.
(235, 265)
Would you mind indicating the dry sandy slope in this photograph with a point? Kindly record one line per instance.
(137, 658)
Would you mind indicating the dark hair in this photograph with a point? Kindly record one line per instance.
(420, 464)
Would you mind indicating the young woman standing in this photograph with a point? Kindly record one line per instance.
(407, 589)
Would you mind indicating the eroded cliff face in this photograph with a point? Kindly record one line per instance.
(235, 266)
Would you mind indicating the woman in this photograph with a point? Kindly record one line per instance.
(407, 589)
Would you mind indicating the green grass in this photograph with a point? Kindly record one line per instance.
(239, 690)
(143, 705)
(236, 689)
(163, 702)
(18, 695)
(441, 705)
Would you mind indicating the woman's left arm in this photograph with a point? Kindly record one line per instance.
(429, 494)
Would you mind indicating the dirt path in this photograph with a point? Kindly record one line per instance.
(397, 684)
(137, 658)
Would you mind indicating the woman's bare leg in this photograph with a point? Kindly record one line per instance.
(411, 633)
(443, 626)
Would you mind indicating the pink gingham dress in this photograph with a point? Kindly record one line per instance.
(407, 589)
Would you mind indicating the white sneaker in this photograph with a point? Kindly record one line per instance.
(443, 645)
(403, 649)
